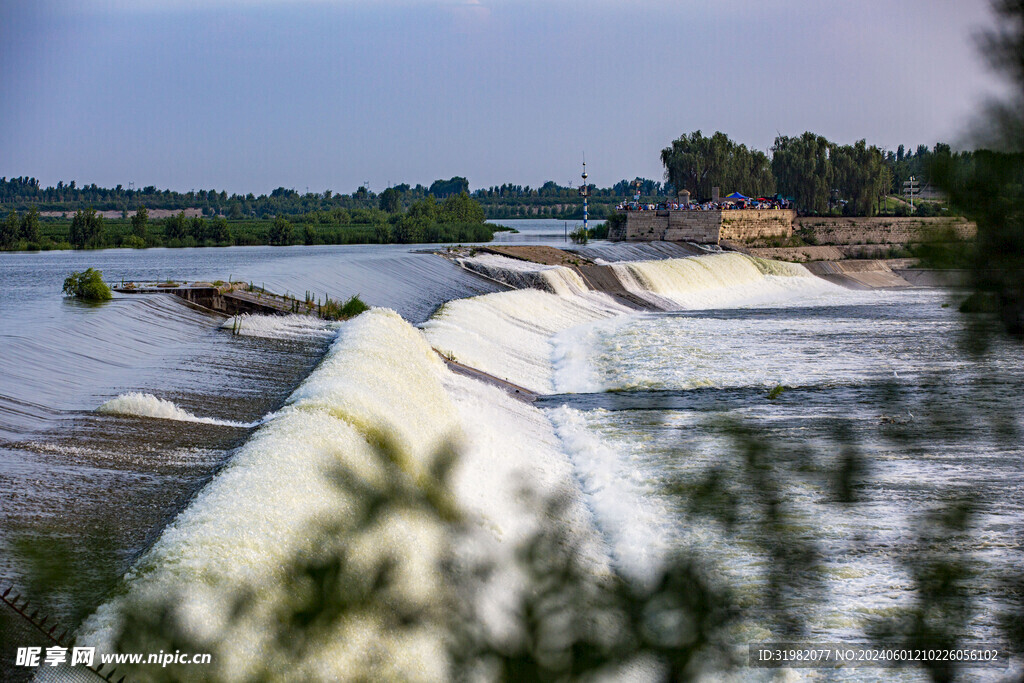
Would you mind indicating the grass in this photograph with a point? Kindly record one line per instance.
(335, 310)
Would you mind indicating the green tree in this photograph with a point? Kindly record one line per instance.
(460, 208)
(698, 164)
(197, 228)
(280, 232)
(86, 231)
(139, 221)
(220, 232)
(87, 285)
(390, 201)
(803, 170)
(9, 230)
(175, 227)
(409, 229)
(30, 226)
(860, 176)
(446, 188)
(424, 210)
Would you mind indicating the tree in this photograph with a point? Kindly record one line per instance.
(86, 230)
(30, 226)
(460, 208)
(803, 170)
(139, 221)
(446, 188)
(280, 232)
(389, 200)
(698, 164)
(860, 176)
(87, 285)
(175, 227)
(9, 230)
(220, 232)
(197, 228)
(425, 209)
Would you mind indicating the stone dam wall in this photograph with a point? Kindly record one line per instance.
(881, 229)
(753, 226)
(706, 227)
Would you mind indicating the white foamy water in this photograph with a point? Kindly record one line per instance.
(620, 493)
(379, 374)
(509, 334)
(278, 326)
(838, 351)
(748, 324)
(526, 274)
(148, 405)
(719, 280)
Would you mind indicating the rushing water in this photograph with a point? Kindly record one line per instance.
(77, 474)
(184, 444)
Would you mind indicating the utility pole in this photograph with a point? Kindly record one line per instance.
(910, 189)
(584, 192)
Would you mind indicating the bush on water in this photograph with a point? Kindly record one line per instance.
(87, 285)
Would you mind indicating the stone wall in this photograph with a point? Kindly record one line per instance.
(880, 229)
(754, 224)
(708, 227)
(702, 227)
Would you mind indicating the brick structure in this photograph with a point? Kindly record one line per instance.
(882, 229)
(705, 227)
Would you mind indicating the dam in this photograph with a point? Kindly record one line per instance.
(705, 227)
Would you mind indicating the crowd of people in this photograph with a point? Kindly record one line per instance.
(728, 204)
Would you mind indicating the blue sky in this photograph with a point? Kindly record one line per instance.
(249, 95)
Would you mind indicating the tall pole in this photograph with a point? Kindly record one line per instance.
(584, 191)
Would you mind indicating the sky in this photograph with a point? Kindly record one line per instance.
(250, 95)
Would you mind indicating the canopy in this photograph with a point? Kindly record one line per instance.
(736, 195)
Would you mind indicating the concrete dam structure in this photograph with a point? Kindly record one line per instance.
(705, 227)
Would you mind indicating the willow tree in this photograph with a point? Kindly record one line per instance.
(802, 167)
(698, 164)
(861, 176)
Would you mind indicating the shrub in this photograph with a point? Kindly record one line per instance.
(87, 285)
(579, 236)
(335, 310)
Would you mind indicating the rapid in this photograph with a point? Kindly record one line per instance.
(212, 453)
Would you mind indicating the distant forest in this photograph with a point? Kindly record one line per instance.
(817, 175)
(458, 218)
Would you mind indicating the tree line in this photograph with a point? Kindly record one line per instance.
(458, 218)
(22, 192)
(817, 175)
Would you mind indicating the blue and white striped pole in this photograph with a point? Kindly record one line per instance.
(585, 192)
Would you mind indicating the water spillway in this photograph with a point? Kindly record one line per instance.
(625, 400)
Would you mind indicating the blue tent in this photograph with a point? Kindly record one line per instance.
(736, 195)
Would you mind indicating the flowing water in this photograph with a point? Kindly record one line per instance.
(184, 444)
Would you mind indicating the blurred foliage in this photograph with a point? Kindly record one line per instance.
(942, 577)
(988, 186)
